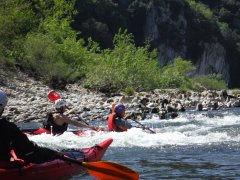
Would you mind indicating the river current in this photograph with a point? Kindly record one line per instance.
(195, 145)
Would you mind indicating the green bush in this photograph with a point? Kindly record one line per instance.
(43, 59)
(174, 75)
(129, 91)
(235, 92)
(125, 65)
(213, 82)
(16, 20)
(71, 50)
(202, 9)
(55, 46)
(224, 29)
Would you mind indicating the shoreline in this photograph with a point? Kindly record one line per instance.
(28, 102)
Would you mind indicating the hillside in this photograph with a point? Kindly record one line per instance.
(203, 31)
(116, 45)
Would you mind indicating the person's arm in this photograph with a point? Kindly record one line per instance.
(67, 120)
(78, 124)
(122, 123)
(70, 111)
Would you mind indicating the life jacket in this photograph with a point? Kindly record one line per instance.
(50, 125)
(13, 138)
(5, 141)
(112, 126)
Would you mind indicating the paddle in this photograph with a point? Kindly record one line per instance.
(53, 96)
(105, 169)
(113, 106)
(144, 126)
(80, 118)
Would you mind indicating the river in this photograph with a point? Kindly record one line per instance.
(195, 145)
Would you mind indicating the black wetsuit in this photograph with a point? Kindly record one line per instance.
(11, 138)
(50, 125)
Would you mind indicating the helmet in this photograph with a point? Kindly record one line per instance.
(3, 99)
(118, 109)
(60, 103)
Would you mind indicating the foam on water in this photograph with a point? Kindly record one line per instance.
(187, 129)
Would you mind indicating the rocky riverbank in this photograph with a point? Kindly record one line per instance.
(28, 101)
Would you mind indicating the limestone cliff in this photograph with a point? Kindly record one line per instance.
(206, 32)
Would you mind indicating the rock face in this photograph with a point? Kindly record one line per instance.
(175, 30)
(161, 28)
(213, 60)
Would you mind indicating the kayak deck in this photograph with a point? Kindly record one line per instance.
(45, 131)
(76, 132)
(56, 169)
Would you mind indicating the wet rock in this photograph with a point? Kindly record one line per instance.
(199, 107)
(28, 100)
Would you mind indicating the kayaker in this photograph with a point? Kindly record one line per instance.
(117, 121)
(58, 121)
(12, 140)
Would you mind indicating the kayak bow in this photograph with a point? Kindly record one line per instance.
(56, 169)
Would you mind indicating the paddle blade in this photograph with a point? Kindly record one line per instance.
(113, 106)
(53, 96)
(110, 170)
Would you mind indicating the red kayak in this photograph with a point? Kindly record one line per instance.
(57, 169)
(77, 132)
(42, 131)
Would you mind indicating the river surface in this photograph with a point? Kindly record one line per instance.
(195, 145)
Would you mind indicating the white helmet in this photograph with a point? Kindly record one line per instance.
(3, 99)
(60, 103)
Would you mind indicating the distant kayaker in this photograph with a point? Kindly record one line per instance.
(117, 121)
(58, 121)
(14, 142)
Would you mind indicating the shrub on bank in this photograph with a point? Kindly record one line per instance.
(212, 82)
(174, 75)
(124, 66)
